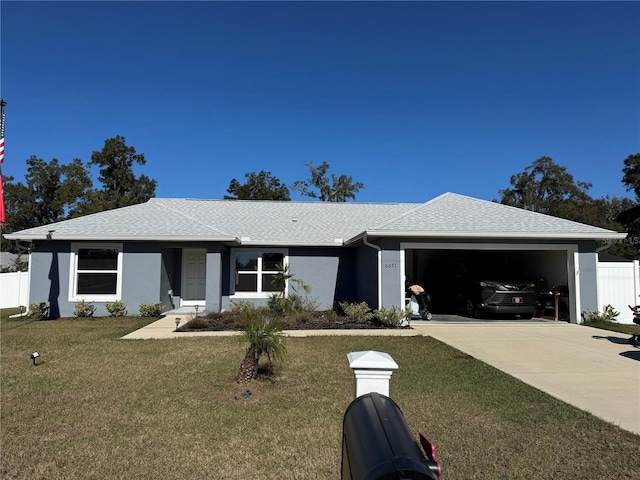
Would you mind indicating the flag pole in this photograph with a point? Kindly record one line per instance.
(2, 210)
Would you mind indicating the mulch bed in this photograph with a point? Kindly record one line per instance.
(235, 321)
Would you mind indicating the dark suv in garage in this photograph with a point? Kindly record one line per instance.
(513, 297)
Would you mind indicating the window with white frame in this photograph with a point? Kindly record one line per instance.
(255, 272)
(96, 272)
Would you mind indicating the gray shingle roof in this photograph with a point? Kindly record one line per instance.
(457, 215)
(311, 223)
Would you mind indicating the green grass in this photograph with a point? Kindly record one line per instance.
(614, 326)
(104, 408)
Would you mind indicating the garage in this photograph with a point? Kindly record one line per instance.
(449, 271)
(453, 236)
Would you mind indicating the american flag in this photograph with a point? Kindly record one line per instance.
(2, 138)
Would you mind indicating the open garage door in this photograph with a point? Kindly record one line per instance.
(449, 273)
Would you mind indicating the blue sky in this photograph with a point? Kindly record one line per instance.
(413, 99)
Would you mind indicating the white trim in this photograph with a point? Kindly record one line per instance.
(489, 246)
(574, 285)
(487, 236)
(73, 272)
(571, 251)
(259, 251)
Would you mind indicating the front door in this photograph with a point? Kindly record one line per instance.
(194, 278)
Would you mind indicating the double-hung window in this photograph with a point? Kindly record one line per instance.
(256, 272)
(96, 272)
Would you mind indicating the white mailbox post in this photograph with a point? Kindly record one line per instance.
(372, 371)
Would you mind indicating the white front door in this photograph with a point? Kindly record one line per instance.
(194, 276)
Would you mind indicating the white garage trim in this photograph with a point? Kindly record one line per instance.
(571, 251)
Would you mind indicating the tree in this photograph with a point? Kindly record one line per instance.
(265, 337)
(334, 189)
(51, 192)
(547, 188)
(260, 186)
(120, 186)
(630, 216)
(631, 174)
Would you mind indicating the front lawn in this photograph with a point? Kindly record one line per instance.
(104, 408)
(626, 328)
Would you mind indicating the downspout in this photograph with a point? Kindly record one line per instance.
(379, 249)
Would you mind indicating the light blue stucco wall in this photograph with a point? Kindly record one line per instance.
(141, 276)
(334, 274)
(49, 277)
(328, 272)
(319, 273)
(392, 281)
(587, 276)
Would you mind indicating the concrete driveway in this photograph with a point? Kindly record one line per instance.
(594, 370)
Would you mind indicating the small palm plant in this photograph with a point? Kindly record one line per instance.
(265, 339)
(279, 302)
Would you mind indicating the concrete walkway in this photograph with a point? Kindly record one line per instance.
(594, 370)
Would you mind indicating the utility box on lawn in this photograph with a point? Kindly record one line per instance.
(377, 443)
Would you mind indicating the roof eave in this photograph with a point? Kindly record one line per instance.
(121, 238)
(257, 243)
(502, 235)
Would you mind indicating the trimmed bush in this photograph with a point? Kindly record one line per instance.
(38, 311)
(84, 309)
(150, 309)
(390, 317)
(358, 312)
(116, 309)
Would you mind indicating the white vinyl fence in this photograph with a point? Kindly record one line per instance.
(14, 289)
(619, 286)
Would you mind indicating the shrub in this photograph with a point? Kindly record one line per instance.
(150, 309)
(309, 304)
(265, 339)
(294, 303)
(279, 305)
(390, 317)
(245, 308)
(198, 323)
(116, 309)
(84, 309)
(609, 314)
(38, 311)
(358, 312)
